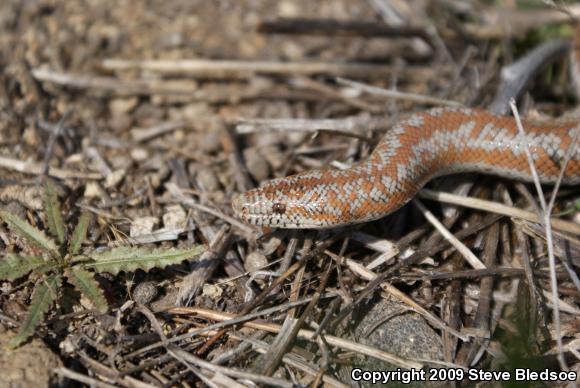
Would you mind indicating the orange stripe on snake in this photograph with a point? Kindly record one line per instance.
(437, 142)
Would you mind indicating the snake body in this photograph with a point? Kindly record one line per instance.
(436, 142)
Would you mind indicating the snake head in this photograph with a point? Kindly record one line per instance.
(292, 202)
(315, 199)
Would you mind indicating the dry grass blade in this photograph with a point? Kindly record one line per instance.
(498, 208)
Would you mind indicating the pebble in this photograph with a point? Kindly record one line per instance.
(145, 292)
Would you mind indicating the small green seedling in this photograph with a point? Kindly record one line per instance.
(60, 260)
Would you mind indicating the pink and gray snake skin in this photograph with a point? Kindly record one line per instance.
(436, 142)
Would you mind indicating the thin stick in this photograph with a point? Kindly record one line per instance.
(498, 208)
(38, 169)
(420, 98)
(116, 85)
(461, 248)
(334, 27)
(190, 358)
(352, 124)
(545, 218)
(69, 374)
(524, 142)
(176, 192)
(309, 335)
(567, 159)
(206, 68)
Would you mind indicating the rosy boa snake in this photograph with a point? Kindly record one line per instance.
(436, 142)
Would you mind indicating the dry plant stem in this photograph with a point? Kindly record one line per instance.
(233, 152)
(275, 354)
(244, 314)
(202, 269)
(527, 266)
(114, 85)
(461, 248)
(390, 13)
(497, 208)
(188, 90)
(38, 169)
(533, 171)
(230, 220)
(176, 192)
(473, 274)
(308, 335)
(545, 216)
(224, 69)
(227, 371)
(517, 22)
(567, 159)
(483, 314)
(218, 380)
(293, 360)
(334, 27)
(84, 379)
(371, 286)
(141, 135)
(113, 374)
(296, 266)
(220, 325)
(450, 314)
(352, 124)
(290, 251)
(418, 98)
(392, 290)
(239, 353)
(522, 189)
(381, 245)
(262, 296)
(333, 94)
(435, 244)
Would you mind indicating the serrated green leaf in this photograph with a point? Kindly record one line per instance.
(45, 293)
(80, 233)
(88, 286)
(53, 214)
(131, 258)
(13, 266)
(29, 232)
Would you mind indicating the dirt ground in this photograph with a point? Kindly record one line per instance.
(152, 115)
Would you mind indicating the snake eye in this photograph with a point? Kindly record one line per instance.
(279, 208)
